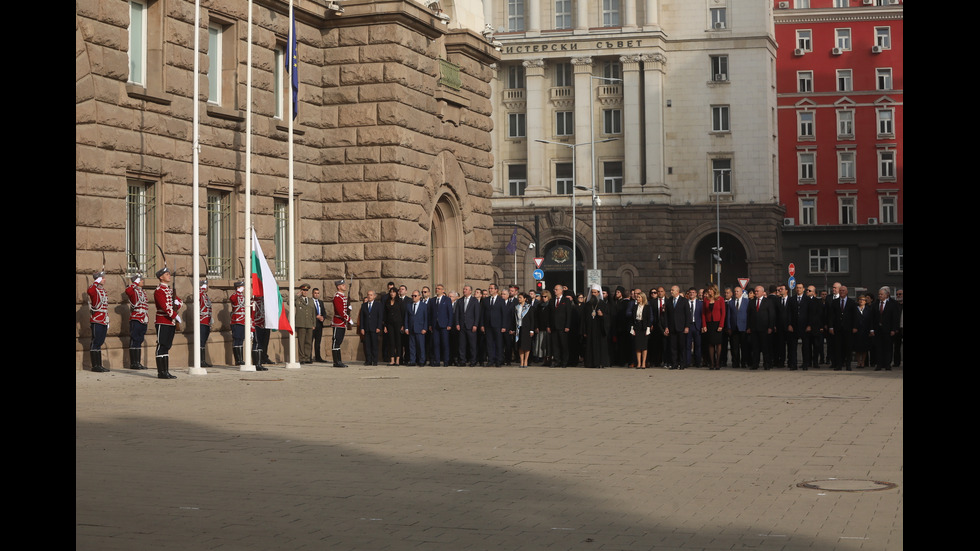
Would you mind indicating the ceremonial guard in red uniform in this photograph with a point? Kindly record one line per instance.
(341, 321)
(99, 320)
(238, 323)
(166, 319)
(205, 321)
(138, 320)
(260, 335)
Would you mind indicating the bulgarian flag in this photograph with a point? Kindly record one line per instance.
(265, 288)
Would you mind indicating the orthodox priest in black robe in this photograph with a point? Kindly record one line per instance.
(596, 321)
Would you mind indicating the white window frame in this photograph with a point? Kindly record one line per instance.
(564, 18)
(278, 82)
(845, 80)
(846, 166)
(721, 118)
(885, 122)
(842, 38)
(845, 123)
(718, 18)
(841, 4)
(564, 123)
(610, 13)
(614, 183)
(883, 78)
(722, 175)
(804, 39)
(219, 233)
(516, 185)
(612, 70)
(564, 184)
(806, 122)
(215, 32)
(515, 16)
(516, 77)
(886, 165)
(280, 237)
(847, 210)
(883, 37)
(516, 125)
(829, 260)
(888, 209)
(807, 167)
(138, 11)
(808, 211)
(564, 75)
(141, 217)
(802, 4)
(896, 259)
(612, 122)
(719, 68)
(804, 81)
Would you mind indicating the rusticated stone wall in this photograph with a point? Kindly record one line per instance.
(378, 142)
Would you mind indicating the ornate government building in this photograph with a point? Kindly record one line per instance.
(666, 109)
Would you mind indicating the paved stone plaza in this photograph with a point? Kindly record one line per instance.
(377, 458)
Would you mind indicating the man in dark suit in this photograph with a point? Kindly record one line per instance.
(843, 326)
(678, 311)
(657, 342)
(510, 302)
(318, 328)
(779, 337)
(493, 325)
(416, 326)
(694, 324)
(798, 324)
(468, 317)
(561, 323)
(884, 327)
(737, 323)
(371, 324)
(761, 321)
(441, 320)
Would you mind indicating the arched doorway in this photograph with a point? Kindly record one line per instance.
(734, 262)
(557, 265)
(446, 244)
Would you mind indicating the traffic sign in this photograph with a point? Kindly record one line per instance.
(792, 269)
(743, 282)
(792, 282)
(538, 274)
(538, 262)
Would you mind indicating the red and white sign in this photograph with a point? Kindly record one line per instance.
(792, 269)
(538, 262)
(743, 282)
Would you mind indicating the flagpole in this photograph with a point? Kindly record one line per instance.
(247, 275)
(293, 62)
(195, 367)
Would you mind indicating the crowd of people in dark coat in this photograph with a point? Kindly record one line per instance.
(670, 328)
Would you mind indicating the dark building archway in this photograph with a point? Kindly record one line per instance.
(734, 261)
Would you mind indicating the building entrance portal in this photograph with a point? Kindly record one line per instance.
(557, 265)
(734, 263)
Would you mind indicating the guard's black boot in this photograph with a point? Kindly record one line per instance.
(163, 368)
(96, 357)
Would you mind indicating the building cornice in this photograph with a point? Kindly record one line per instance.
(838, 15)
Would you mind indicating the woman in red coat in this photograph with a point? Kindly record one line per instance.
(713, 323)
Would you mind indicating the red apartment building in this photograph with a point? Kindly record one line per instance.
(839, 83)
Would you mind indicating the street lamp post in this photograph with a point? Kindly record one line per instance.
(595, 198)
(572, 146)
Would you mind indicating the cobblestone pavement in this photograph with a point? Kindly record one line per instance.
(378, 458)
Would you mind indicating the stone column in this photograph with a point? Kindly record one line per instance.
(536, 95)
(652, 15)
(533, 18)
(629, 13)
(632, 171)
(582, 17)
(653, 100)
(582, 66)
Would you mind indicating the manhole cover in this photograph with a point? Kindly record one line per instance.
(847, 485)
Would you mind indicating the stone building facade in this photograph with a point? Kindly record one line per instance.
(393, 159)
(666, 109)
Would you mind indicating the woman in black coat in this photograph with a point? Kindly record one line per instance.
(641, 320)
(394, 325)
(862, 339)
(525, 322)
